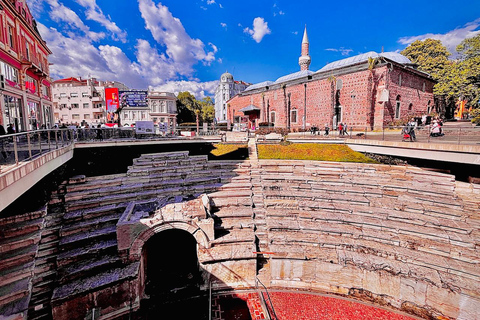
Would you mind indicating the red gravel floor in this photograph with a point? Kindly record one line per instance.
(299, 306)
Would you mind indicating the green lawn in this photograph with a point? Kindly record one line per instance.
(311, 151)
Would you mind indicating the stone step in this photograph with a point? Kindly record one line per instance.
(18, 257)
(17, 304)
(16, 273)
(91, 183)
(80, 239)
(91, 213)
(83, 268)
(14, 291)
(144, 192)
(95, 282)
(22, 218)
(86, 225)
(87, 251)
(13, 230)
(17, 243)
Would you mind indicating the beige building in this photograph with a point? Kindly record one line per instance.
(78, 101)
(163, 110)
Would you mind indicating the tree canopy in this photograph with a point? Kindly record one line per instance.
(456, 79)
(188, 107)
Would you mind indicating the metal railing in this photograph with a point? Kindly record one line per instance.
(15, 148)
(449, 134)
(269, 308)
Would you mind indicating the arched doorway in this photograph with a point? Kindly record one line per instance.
(172, 275)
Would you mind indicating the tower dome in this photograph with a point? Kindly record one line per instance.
(226, 77)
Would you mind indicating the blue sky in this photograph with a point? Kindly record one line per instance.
(177, 45)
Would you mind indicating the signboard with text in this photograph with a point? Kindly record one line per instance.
(111, 99)
(134, 98)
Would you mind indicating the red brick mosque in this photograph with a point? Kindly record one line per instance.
(367, 90)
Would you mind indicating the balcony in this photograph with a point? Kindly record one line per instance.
(33, 65)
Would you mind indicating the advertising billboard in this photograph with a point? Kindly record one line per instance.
(111, 98)
(136, 98)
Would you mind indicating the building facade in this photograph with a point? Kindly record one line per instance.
(25, 95)
(78, 101)
(163, 110)
(369, 90)
(227, 88)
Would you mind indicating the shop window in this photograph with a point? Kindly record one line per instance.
(86, 116)
(30, 84)
(9, 72)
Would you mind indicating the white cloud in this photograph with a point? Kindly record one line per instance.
(35, 6)
(210, 1)
(199, 89)
(94, 13)
(277, 11)
(223, 24)
(450, 39)
(168, 30)
(295, 32)
(260, 29)
(61, 13)
(76, 54)
(342, 50)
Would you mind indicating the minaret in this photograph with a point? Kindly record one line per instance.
(304, 60)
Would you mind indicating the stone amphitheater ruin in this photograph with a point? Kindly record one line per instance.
(395, 236)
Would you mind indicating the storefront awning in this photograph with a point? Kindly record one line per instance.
(249, 108)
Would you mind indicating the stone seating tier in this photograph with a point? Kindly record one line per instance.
(20, 238)
(336, 227)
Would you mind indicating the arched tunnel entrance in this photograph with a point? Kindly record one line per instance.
(173, 277)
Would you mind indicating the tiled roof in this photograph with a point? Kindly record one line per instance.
(394, 56)
(259, 85)
(295, 75)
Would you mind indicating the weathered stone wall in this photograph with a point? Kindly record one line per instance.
(398, 236)
(393, 235)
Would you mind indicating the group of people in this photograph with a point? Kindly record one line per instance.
(10, 129)
(408, 130)
(342, 129)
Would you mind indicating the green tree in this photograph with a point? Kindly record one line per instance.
(469, 67)
(186, 106)
(208, 109)
(430, 55)
(456, 79)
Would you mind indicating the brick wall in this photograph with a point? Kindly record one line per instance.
(358, 98)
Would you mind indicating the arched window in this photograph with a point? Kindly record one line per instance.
(272, 117)
(397, 108)
(293, 116)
